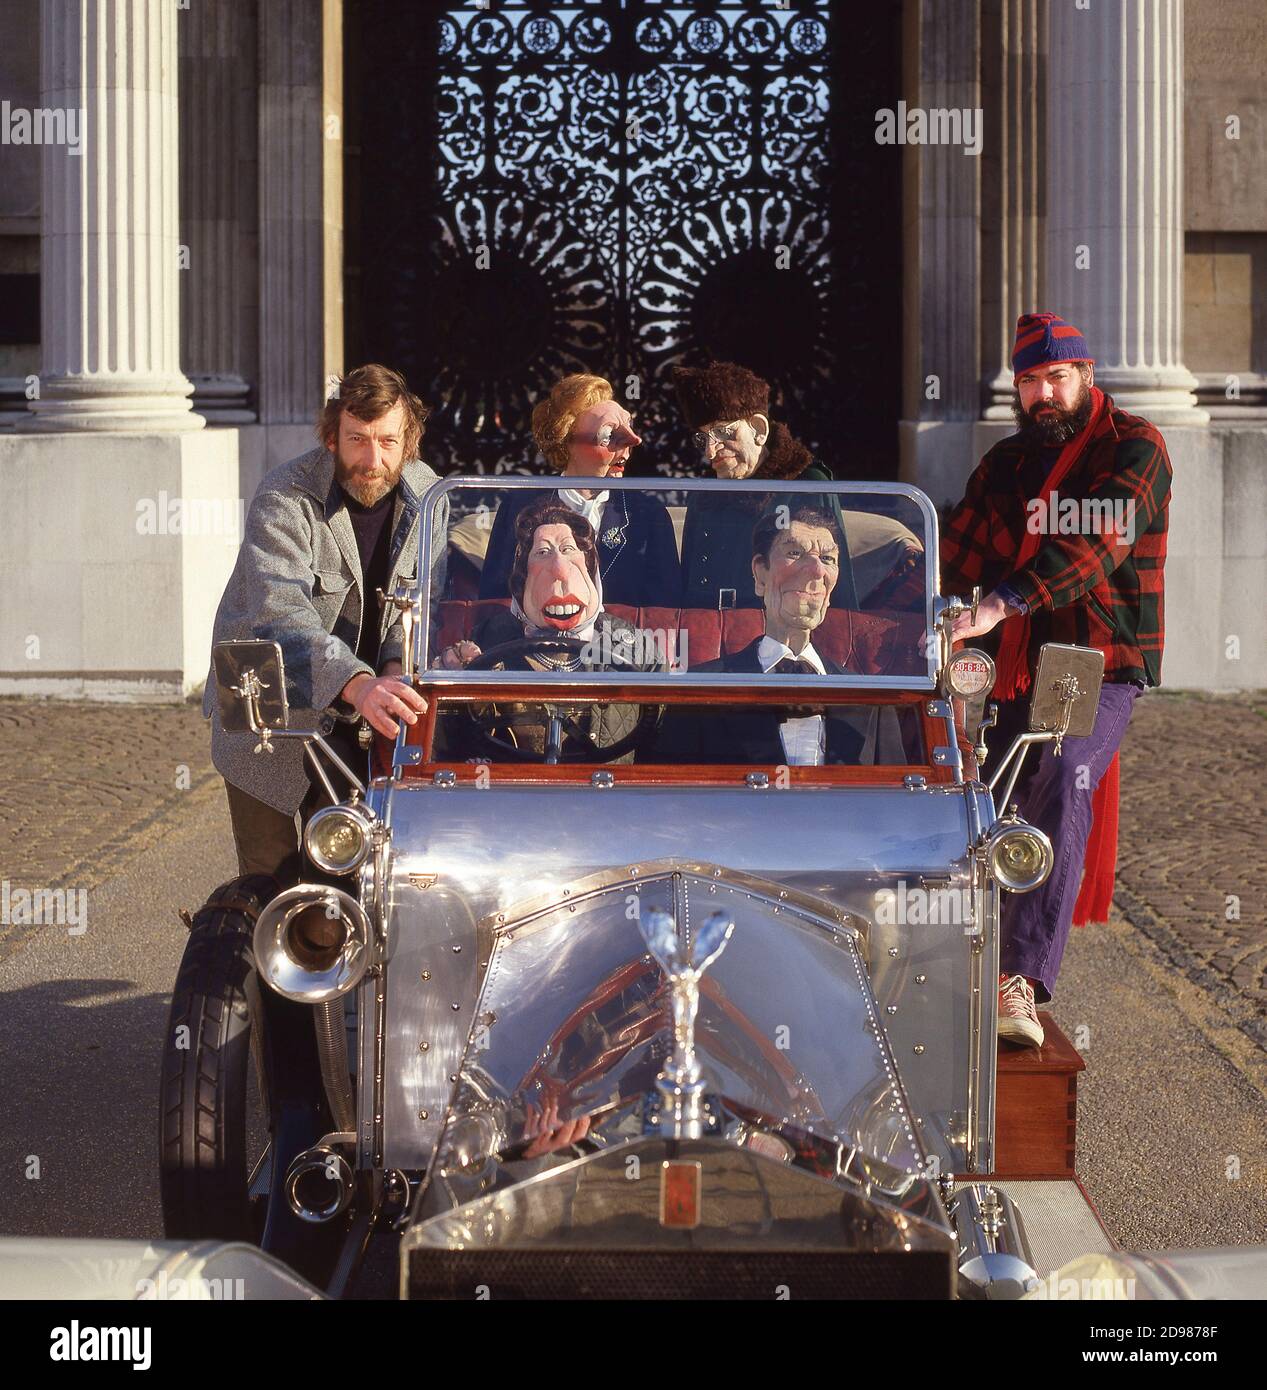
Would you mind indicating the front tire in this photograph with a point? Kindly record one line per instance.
(209, 1118)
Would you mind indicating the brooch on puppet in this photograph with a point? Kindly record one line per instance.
(612, 537)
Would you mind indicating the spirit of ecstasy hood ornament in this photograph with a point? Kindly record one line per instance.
(681, 1084)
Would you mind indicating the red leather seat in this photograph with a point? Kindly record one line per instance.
(869, 644)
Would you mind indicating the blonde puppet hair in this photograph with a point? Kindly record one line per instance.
(554, 416)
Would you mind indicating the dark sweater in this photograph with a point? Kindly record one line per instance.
(373, 529)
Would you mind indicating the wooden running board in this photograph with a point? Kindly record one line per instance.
(1036, 1107)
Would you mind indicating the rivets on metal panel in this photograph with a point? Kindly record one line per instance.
(455, 1007)
(426, 975)
(919, 979)
(423, 1114)
(424, 1046)
(483, 965)
(457, 949)
(501, 916)
(453, 1076)
(919, 1049)
(893, 951)
(890, 1008)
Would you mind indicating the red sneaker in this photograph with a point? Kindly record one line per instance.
(1018, 1016)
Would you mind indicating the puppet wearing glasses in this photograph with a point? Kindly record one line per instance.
(583, 433)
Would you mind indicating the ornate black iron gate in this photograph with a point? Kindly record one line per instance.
(618, 186)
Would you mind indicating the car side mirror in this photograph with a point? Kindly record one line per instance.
(1066, 697)
(252, 688)
(1066, 691)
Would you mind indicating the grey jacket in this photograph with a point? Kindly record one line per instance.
(298, 582)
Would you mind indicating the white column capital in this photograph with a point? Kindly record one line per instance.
(1114, 197)
(109, 236)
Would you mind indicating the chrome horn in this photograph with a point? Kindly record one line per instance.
(312, 943)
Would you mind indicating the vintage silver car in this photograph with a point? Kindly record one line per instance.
(634, 969)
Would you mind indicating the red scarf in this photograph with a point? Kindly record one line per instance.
(1014, 680)
(1012, 662)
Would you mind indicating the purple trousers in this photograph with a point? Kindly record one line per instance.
(1054, 794)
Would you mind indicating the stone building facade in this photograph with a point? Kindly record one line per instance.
(175, 294)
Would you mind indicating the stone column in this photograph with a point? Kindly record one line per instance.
(1114, 197)
(942, 249)
(218, 205)
(1013, 255)
(942, 341)
(110, 292)
(301, 145)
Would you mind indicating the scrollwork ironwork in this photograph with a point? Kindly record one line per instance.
(623, 185)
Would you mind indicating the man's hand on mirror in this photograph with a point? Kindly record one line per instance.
(990, 613)
(382, 700)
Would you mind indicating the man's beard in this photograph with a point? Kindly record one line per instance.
(1057, 428)
(364, 490)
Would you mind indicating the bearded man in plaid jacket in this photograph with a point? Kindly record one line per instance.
(1063, 526)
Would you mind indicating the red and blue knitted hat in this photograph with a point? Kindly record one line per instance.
(1044, 338)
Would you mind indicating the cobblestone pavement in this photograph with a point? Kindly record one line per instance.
(84, 786)
(1193, 829)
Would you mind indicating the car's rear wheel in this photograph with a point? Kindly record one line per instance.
(215, 1127)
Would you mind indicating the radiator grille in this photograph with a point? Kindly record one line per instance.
(542, 1273)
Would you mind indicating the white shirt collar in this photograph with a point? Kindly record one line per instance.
(591, 508)
(771, 652)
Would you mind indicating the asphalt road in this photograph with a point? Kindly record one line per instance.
(1173, 1106)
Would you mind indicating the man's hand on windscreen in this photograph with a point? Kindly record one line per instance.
(990, 613)
(382, 700)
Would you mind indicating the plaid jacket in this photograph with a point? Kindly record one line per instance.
(1088, 584)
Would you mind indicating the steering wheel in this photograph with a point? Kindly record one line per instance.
(483, 719)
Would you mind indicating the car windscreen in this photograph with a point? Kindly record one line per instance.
(718, 583)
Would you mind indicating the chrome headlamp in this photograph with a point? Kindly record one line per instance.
(312, 943)
(967, 674)
(338, 838)
(1018, 855)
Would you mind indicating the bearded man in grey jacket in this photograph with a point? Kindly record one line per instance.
(323, 534)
